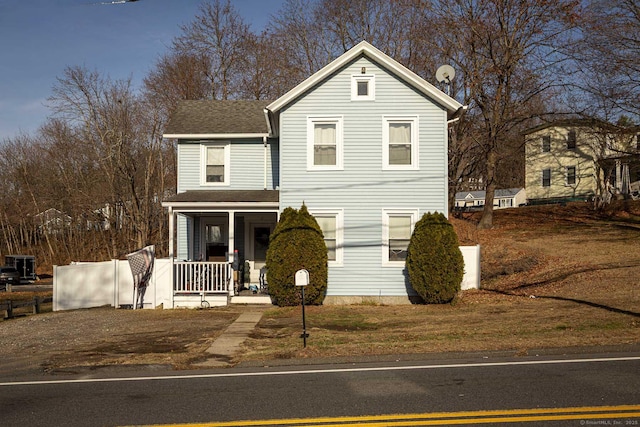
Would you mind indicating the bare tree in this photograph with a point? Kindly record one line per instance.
(506, 51)
(217, 36)
(608, 60)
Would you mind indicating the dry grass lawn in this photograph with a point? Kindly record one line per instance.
(552, 276)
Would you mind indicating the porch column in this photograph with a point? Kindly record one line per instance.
(171, 232)
(232, 226)
(232, 239)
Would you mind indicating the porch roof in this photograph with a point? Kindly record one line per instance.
(224, 198)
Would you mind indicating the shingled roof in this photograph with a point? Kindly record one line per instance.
(225, 196)
(217, 117)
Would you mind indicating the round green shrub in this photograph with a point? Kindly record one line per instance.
(434, 261)
(297, 242)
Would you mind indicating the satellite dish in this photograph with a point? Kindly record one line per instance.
(445, 74)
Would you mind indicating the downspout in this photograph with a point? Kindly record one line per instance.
(264, 142)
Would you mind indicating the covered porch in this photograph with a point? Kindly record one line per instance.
(212, 230)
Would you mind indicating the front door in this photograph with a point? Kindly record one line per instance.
(258, 252)
(215, 240)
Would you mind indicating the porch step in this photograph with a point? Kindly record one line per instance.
(196, 301)
(251, 299)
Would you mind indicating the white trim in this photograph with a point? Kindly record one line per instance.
(204, 146)
(365, 48)
(214, 135)
(371, 87)
(311, 122)
(386, 213)
(339, 215)
(415, 146)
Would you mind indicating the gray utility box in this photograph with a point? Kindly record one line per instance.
(25, 264)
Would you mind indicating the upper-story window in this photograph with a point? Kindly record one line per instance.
(324, 143)
(400, 142)
(546, 144)
(638, 141)
(363, 87)
(215, 160)
(571, 140)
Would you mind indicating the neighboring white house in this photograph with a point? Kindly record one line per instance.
(362, 142)
(503, 198)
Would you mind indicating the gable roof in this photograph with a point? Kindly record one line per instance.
(366, 49)
(481, 194)
(217, 119)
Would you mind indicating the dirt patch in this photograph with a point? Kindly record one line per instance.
(552, 277)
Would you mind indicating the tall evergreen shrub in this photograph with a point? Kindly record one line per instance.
(297, 242)
(434, 261)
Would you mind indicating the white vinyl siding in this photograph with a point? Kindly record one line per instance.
(324, 143)
(400, 143)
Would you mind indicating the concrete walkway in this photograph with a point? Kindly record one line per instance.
(221, 352)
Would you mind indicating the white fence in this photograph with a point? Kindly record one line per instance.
(471, 278)
(94, 284)
(85, 285)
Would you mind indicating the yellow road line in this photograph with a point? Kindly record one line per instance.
(442, 418)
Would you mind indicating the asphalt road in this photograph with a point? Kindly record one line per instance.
(586, 389)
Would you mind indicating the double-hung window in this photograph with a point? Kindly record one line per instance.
(571, 175)
(400, 142)
(571, 140)
(546, 143)
(546, 177)
(397, 229)
(331, 224)
(324, 143)
(215, 160)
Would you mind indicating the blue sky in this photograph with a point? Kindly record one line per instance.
(40, 38)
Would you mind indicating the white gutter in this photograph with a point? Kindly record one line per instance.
(264, 142)
(214, 135)
(266, 117)
(457, 114)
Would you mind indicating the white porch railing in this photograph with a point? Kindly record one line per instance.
(203, 277)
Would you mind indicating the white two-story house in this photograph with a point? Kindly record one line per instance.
(362, 143)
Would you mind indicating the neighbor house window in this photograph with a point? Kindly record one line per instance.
(571, 140)
(546, 178)
(546, 144)
(571, 175)
(505, 203)
(324, 143)
(400, 142)
(330, 222)
(363, 87)
(215, 160)
(397, 229)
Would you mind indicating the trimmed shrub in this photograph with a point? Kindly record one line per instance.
(434, 261)
(297, 242)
